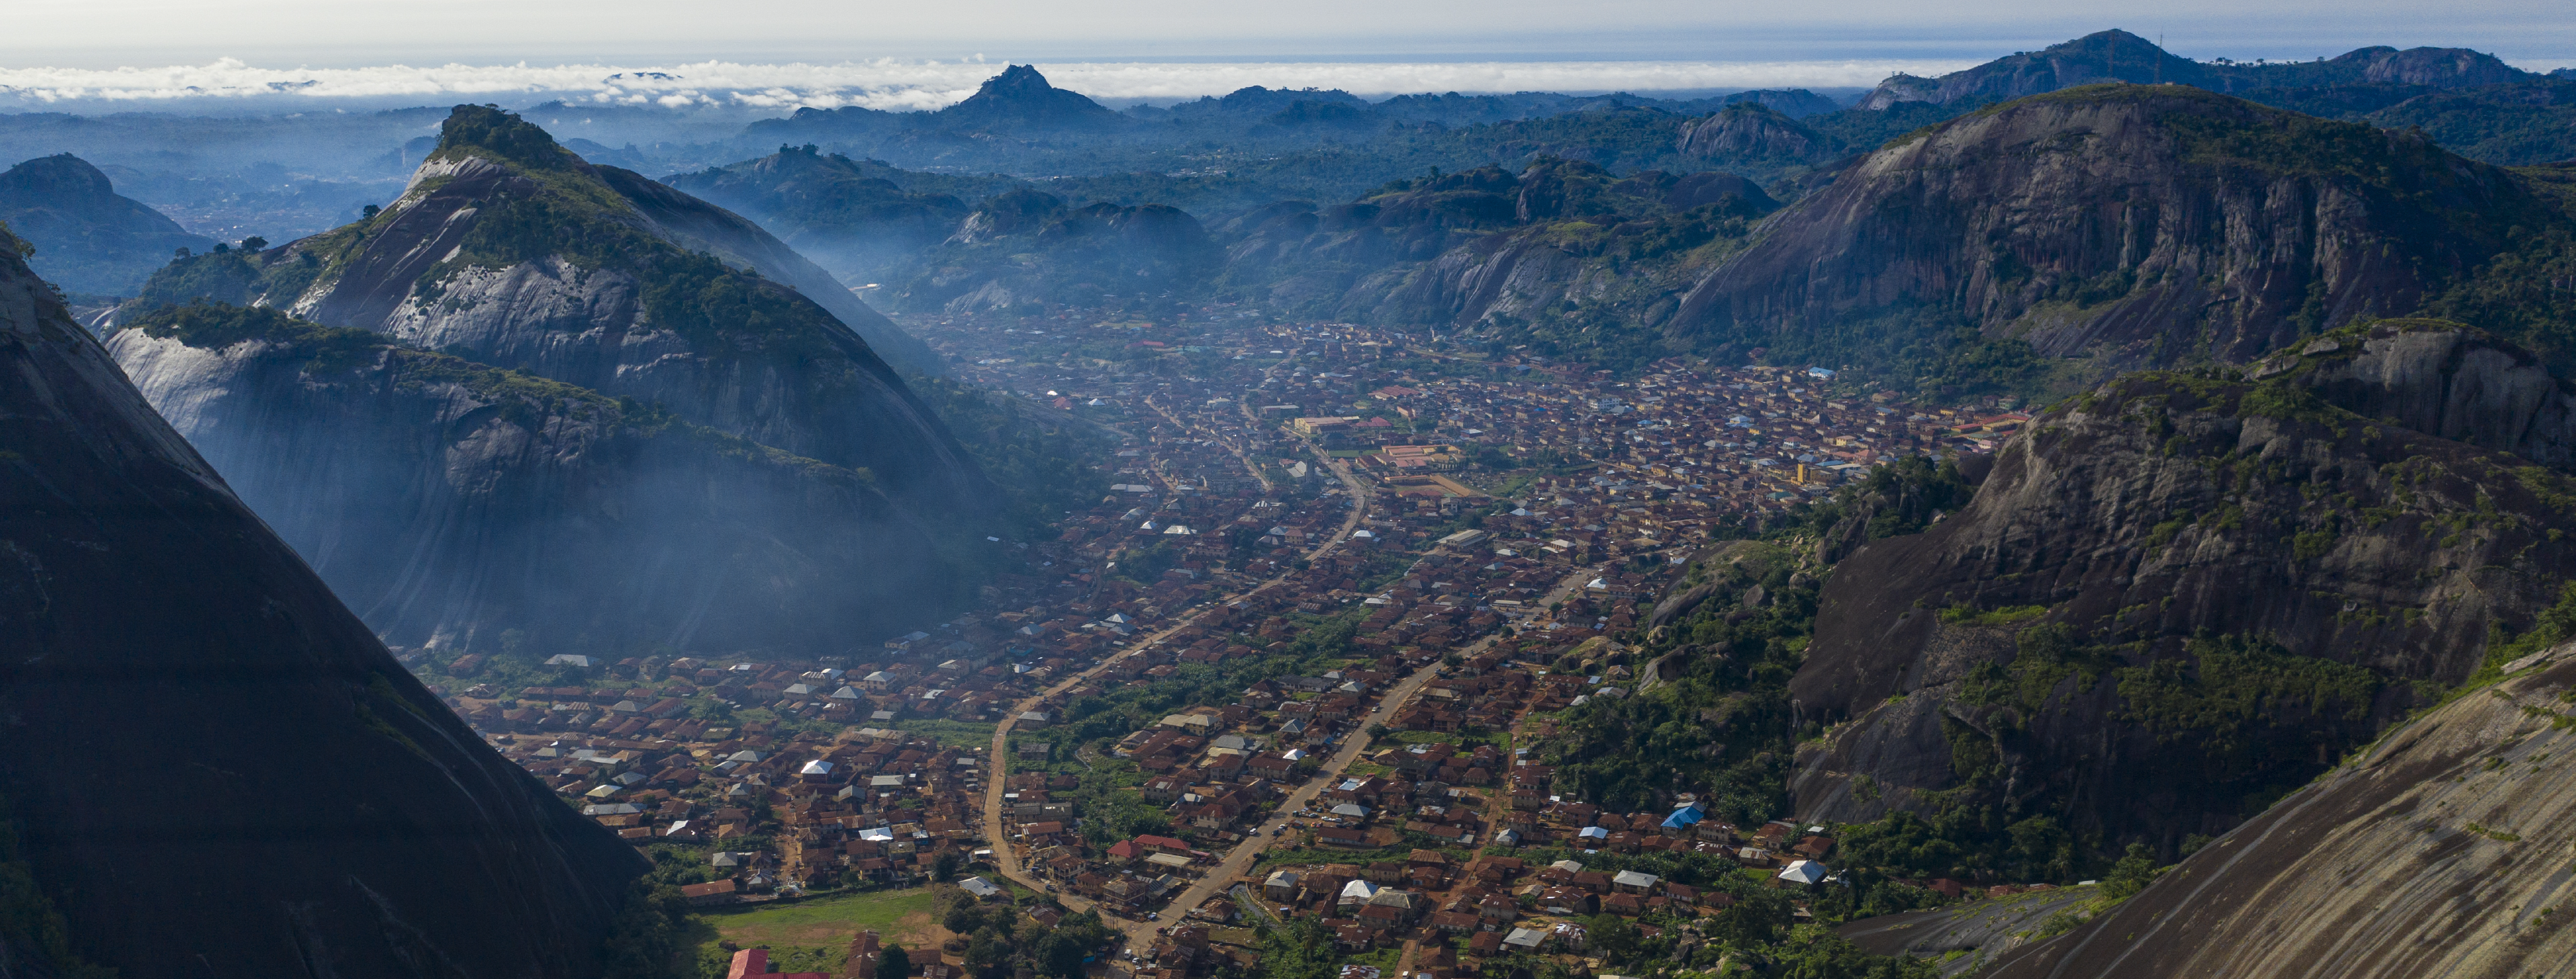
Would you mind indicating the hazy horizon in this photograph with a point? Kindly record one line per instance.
(312, 34)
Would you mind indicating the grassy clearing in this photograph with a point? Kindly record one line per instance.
(955, 734)
(824, 926)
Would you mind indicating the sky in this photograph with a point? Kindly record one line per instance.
(896, 54)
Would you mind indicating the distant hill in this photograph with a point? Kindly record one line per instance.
(1020, 100)
(338, 818)
(88, 238)
(2117, 55)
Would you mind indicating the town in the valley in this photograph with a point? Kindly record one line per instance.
(1290, 663)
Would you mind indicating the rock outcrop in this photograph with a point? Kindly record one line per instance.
(2139, 225)
(221, 771)
(446, 501)
(509, 251)
(2442, 379)
(88, 238)
(2176, 596)
(2440, 851)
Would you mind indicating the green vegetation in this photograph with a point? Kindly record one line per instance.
(1628, 754)
(214, 326)
(2258, 717)
(2044, 656)
(1965, 615)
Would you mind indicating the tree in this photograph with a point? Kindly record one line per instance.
(369, 213)
(963, 917)
(945, 865)
(2132, 874)
(254, 243)
(892, 963)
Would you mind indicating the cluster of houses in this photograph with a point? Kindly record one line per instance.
(802, 810)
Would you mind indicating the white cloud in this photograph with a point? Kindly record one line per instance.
(906, 85)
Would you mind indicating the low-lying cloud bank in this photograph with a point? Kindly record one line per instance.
(902, 85)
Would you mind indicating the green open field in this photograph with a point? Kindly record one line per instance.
(816, 933)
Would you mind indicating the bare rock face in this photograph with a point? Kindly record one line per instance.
(509, 250)
(2141, 225)
(448, 501)
(2445, 379)
(2441, 851)
(2139, 557)
(249, 784)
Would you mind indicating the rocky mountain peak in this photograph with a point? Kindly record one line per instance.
(500, 135)
(1021, 98)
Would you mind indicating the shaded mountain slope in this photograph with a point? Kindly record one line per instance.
(2134, 224)
(2440, 851)
(695, 225)
(511, 251)
(447, 501)
(1558, 244)
(1029, 246)
(88, 238)
(2177, 597)
(260, 789)
(849, 216)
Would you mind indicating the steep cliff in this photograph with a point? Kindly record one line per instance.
(88, 237)
(511, 251)
(447, 501)
(220, 771)
(2440, 851)
(2176, 597)
(2136, 225)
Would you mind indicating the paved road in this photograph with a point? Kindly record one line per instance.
(1247, 853)
(1006, 860)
